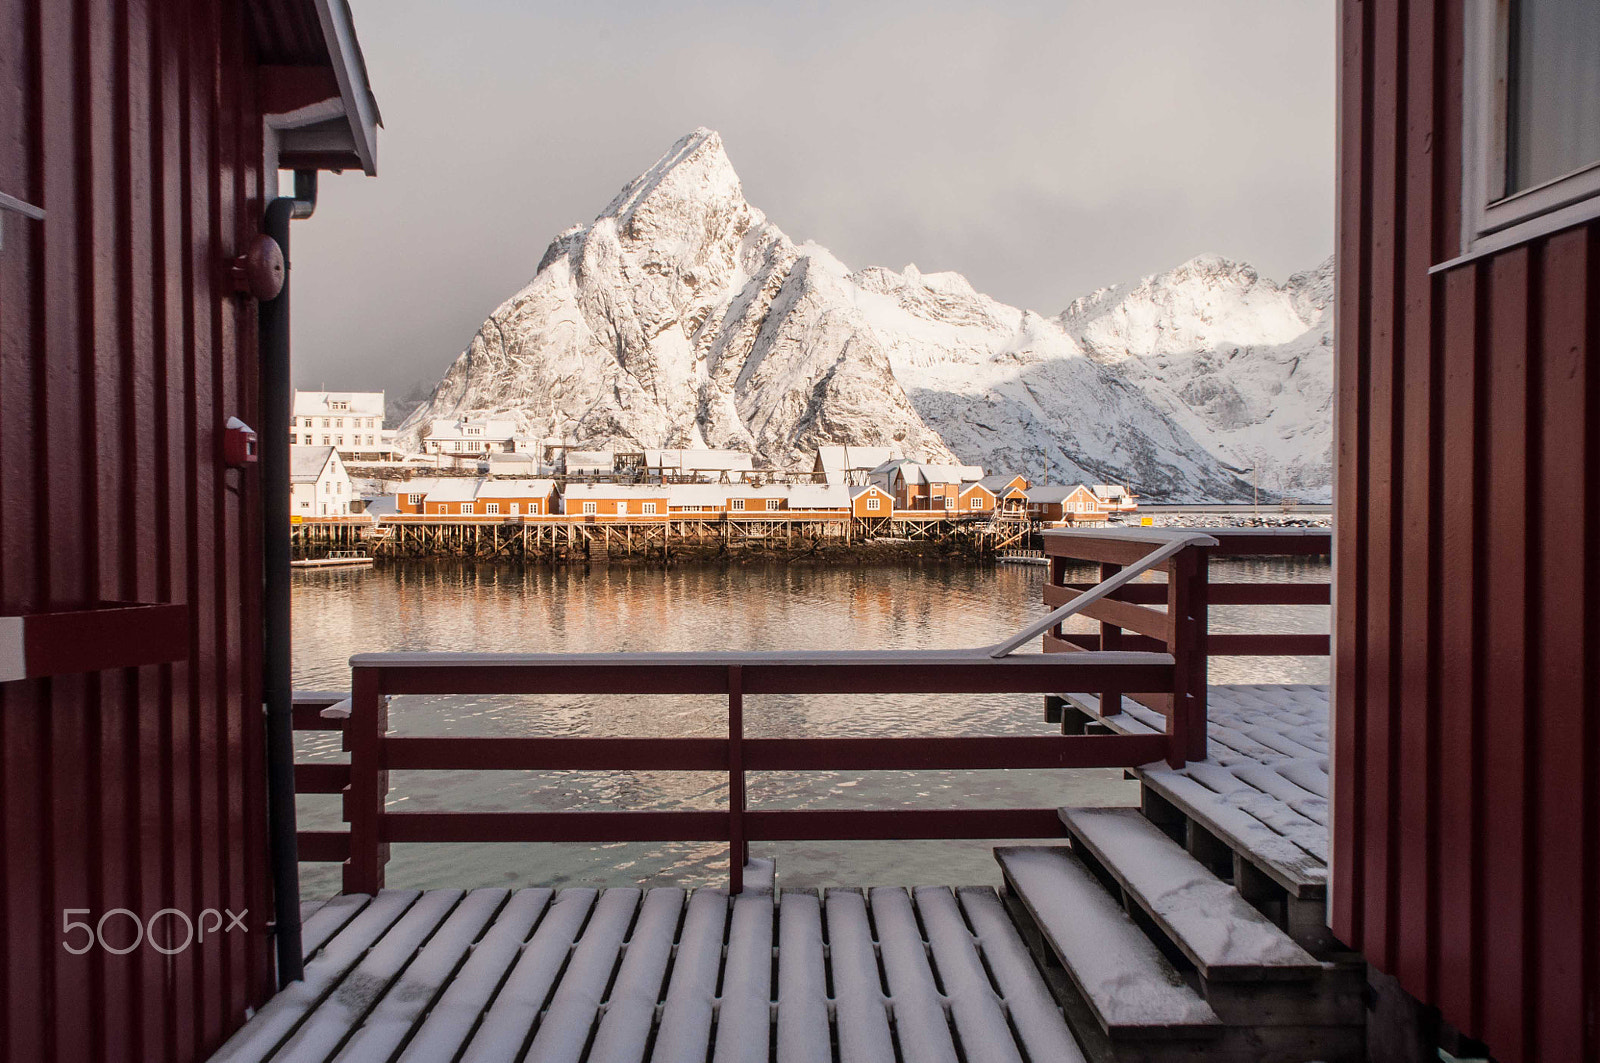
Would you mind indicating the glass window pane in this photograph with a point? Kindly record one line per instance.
(1555, 90)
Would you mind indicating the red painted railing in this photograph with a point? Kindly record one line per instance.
(374, 751)
(1127, 621)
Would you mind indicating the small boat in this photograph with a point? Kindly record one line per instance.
(335, 559)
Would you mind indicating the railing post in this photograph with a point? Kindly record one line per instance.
(1187, 606)
(1110, 639)
(369, 783)
(738, 848)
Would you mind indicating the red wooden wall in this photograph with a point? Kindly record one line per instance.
(1466, 811)
(134, 124)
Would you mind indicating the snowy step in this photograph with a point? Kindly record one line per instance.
(1130, 987)
(1218, 930)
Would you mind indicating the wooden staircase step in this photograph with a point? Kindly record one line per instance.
(1133, 992)
(1218, 930)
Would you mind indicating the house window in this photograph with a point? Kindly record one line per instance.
(591, 507)
(327, 441)
(415, 500)
(491, 507)
(338, 422)
(466, 507)
(305, 505)
(947, 500)
(872, 503)
(772, 503)
(1532, 121)
(533, 507)
(649, 509)
(976, 503)
(324, 422)
(737, 503)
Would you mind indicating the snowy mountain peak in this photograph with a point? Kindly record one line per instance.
(681, 316)
(695, 167)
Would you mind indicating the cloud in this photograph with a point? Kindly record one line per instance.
(1043, 150)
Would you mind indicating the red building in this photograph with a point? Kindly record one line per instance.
(136, 171)
(1466, 814)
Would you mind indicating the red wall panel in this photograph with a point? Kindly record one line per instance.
(1466, 819)
(134, 124)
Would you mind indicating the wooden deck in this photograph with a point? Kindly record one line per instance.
(929, 975)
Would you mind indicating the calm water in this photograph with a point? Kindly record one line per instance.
(434, 607)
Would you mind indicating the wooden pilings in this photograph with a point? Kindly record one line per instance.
(679, 536)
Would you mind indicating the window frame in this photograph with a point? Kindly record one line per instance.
(1492, 220)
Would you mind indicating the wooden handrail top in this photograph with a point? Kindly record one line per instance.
(745, 658)
(791, 672)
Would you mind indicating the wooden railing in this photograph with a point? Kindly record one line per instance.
(374, 751)
(1127, 620)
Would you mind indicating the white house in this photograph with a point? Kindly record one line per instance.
(1114, 498)
(349, 421)
(588, 462)
(469, 438)
(319, 486)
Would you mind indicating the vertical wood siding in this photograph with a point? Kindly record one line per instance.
(134, 124)
(1467, 820)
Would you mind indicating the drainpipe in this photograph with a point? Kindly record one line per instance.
(277, 687)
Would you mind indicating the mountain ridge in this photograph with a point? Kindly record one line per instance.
(682, 316)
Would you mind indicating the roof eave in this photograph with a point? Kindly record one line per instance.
(323, 117)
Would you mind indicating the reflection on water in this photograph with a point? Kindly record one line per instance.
(446, 608)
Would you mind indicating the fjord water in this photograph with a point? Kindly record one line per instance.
(436, 607)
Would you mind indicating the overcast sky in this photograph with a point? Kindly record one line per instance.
(1042, 149)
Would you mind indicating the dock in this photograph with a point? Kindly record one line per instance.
(559, 538)
(335, 559)
(665, 974)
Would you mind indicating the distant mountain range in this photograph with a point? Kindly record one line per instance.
(682, 317)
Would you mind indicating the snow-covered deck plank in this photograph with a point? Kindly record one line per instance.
(862, 1009)
(1263, 787)
(624, 975)
(919, 1016)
